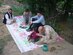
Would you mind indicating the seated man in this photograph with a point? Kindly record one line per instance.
(27, 15)
(37, 20)
(26, 18)
(47, 34)
(8, 17)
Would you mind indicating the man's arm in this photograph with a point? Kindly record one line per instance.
(43, 39)
(32, 17)
(38, 20)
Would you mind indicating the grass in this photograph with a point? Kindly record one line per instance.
(18, 10)
(53, 23)
(64, 29)
(0, 3)
(3, 42)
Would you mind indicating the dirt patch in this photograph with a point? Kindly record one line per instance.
(11, 49)
(3, 29)
(1, 32)
(52, 49)
(4, 8)
(12, 2)
(3, 42)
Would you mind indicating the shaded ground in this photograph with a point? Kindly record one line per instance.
(67, 31)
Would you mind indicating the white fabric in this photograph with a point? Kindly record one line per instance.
(9, 21)
(20, 37)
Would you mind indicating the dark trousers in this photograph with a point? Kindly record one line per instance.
(35, 26)
(27, 21)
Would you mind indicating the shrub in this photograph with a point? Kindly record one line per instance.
(17, 10)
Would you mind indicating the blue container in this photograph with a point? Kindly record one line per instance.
(45, 47)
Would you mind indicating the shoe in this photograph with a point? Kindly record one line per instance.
(23, 27)
(28, 30)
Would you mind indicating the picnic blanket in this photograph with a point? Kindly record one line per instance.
(20, 36)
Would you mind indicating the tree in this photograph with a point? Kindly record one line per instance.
(50, 7)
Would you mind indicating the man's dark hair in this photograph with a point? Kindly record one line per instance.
(10, 9)
(27, 10)
(38, 11)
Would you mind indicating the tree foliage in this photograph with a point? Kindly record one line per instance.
(49, 7)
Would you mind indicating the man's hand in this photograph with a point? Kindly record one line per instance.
(39, 35)
(30, 22)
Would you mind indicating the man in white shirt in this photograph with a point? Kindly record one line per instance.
(8, 17)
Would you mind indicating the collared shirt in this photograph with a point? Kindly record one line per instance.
(40, 19)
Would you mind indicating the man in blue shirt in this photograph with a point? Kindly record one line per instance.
(39, 18)
(36, 21)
